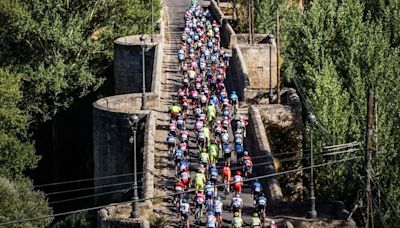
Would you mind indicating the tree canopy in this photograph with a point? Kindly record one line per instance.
(339, 49)
(52, 53)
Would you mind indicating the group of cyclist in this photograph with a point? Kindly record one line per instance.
(203, 99)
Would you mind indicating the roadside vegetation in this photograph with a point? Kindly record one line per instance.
(337, 50)
(51, 54)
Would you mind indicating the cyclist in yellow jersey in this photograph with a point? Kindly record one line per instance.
(213, 152)
(199, 180)
(211, 113)
(175, 110)
(237, 221)
(206, 132)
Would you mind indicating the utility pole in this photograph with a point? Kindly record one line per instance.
(368, 156)
(152, 21)
(250, 33)
(143, 43)
(278, 70)
(252, 21)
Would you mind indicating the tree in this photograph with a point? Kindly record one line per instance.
(16, 151)
(65, 50)
(20, 201)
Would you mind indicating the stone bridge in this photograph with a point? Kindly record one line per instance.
(252, 73)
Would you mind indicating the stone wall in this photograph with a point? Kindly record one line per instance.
(237, 78)
(112, 152)
(128, 102)
(117, 216)
(258, 143)
(243, 38)
(148, 160)
(260, 61)
(128, 76)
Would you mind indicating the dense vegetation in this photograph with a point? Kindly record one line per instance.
(51, 53)
(338, 49)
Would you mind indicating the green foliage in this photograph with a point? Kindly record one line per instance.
(52, 53)
(19, 201)
(16, 151)
(78, 220)
(63, 50)
(338, 49)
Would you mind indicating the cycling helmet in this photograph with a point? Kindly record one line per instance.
(238, 173)
(246, 153)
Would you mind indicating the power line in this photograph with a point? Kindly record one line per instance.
(173, 194)
(83, 180)
(387, 202)
(88, 188)
(84, 197)
(296, 159)
(295, 152)
(379, 213)
(125, 190)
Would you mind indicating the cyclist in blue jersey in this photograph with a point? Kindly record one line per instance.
(256, 189)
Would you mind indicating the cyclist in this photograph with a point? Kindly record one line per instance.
(255, 221)
(179, 189)
(199, 202)
(218, 207)
(180, 123)
(213, 173)
(183, 165)
(237, 221)
(237, 204)
(237, 182)
(247, 165)
(227, 153)
(204, 157)
(225, 136)
(226, 177)
(171, 142)
(209, 190)
(172, 127)
(234, 101)
(241, 124)
(262, 205)
(199, 180)
(185, 178)
(218, 130)
(256, 189)
(213, 152)
(211, 113)
(179, 155)
(211, 220)
(184, 135)
(206, 132)
(175, 111)
(185, 209)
